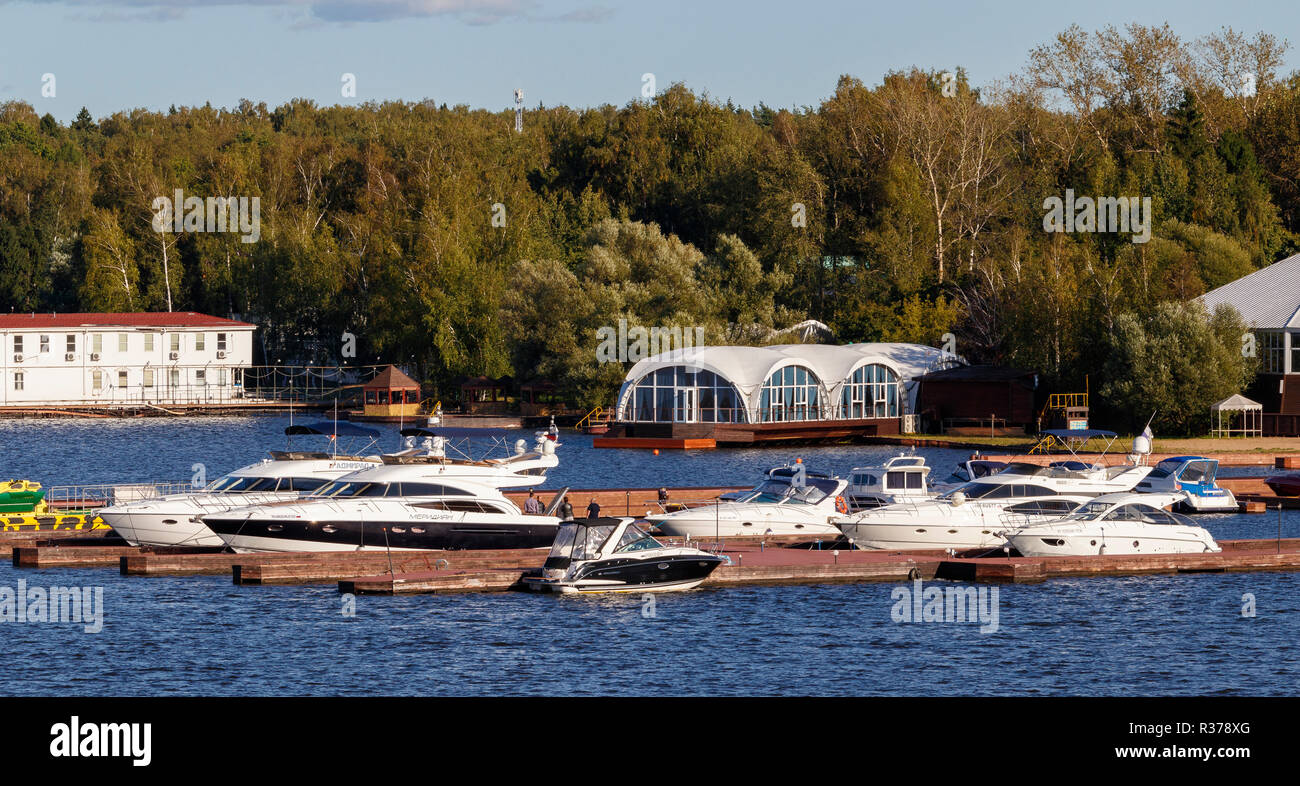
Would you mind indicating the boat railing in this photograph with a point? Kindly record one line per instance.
(679, 505)
(98, 495)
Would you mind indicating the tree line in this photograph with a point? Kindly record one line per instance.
(900, 210)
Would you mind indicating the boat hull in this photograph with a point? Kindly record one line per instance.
(662, 574)
(1284, 485)
(160, 529)
(1223, 502)
(1092, 543)
(701, 523)
(269, 534)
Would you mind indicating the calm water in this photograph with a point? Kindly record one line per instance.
(165, 636)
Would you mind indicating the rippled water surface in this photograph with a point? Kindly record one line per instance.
(202, 635)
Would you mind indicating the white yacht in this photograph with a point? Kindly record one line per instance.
(388, 508)
(972, 515)
(899, 479)
(1128, 523)
(172, 520)
(791, 501)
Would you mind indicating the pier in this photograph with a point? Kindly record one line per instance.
(786, 560)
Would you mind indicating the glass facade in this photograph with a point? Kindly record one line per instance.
(683, 395)
(1272, 351)
(791, 393)
(872, 392)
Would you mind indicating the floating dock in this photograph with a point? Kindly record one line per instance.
(754, 561)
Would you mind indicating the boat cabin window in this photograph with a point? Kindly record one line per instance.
(977, 490)
(1043, 507)
(635, 539)
(301, 484)
(342, 488)
(239, 484)
(865, 480)
(904, 480)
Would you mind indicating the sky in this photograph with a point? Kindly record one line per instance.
(114, 55)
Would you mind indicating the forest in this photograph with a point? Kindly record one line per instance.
(901, 209)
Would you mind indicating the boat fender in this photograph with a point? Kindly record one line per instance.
(958, 499)
(841, 505)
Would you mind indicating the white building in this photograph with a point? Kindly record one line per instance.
(778, 384)
(128, 358)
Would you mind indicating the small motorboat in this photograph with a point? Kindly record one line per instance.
(615, 555)
(1286, 484)
(1125, 523)
(899, 479)
(1194, 477)
(790, 501)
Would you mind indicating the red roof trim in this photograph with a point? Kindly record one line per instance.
(116, 319)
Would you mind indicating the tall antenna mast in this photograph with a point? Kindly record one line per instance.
(519, 111)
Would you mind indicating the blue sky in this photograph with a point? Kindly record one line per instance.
(111, 55)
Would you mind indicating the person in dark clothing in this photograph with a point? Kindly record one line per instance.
(566, 511)
(593, 509)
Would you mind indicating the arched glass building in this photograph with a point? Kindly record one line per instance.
(787, 383)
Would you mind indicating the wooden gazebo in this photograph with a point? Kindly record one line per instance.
(391, 394)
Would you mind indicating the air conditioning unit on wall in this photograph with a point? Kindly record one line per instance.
(174, 355)
(70, 356)
(18, 357)
(221, 354)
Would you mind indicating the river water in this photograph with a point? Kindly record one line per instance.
(1151, 635)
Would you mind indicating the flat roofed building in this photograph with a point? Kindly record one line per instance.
(122, 358)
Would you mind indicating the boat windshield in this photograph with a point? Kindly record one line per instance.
(564, 537)
(238, 484)
(587, 542)
(636, 539)
(1089, 511)
(813, 491)
(1198, 472)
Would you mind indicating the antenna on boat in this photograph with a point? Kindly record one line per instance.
(335, 435)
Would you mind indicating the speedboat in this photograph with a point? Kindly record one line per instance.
(899, 479)
(173, 519)
(972, 515)
(1127, 523)
(387, 509)
(790, 501)
(615, 555)
(1287, 484)
(968, 471)
(1194, 477)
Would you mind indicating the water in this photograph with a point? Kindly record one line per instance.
(1161, 635)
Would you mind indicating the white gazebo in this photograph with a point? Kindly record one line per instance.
(1245, 418)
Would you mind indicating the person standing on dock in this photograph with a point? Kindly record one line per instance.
(533, 505)
(593, 509)
(566, 511)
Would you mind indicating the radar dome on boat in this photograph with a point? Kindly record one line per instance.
(1141, 445)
